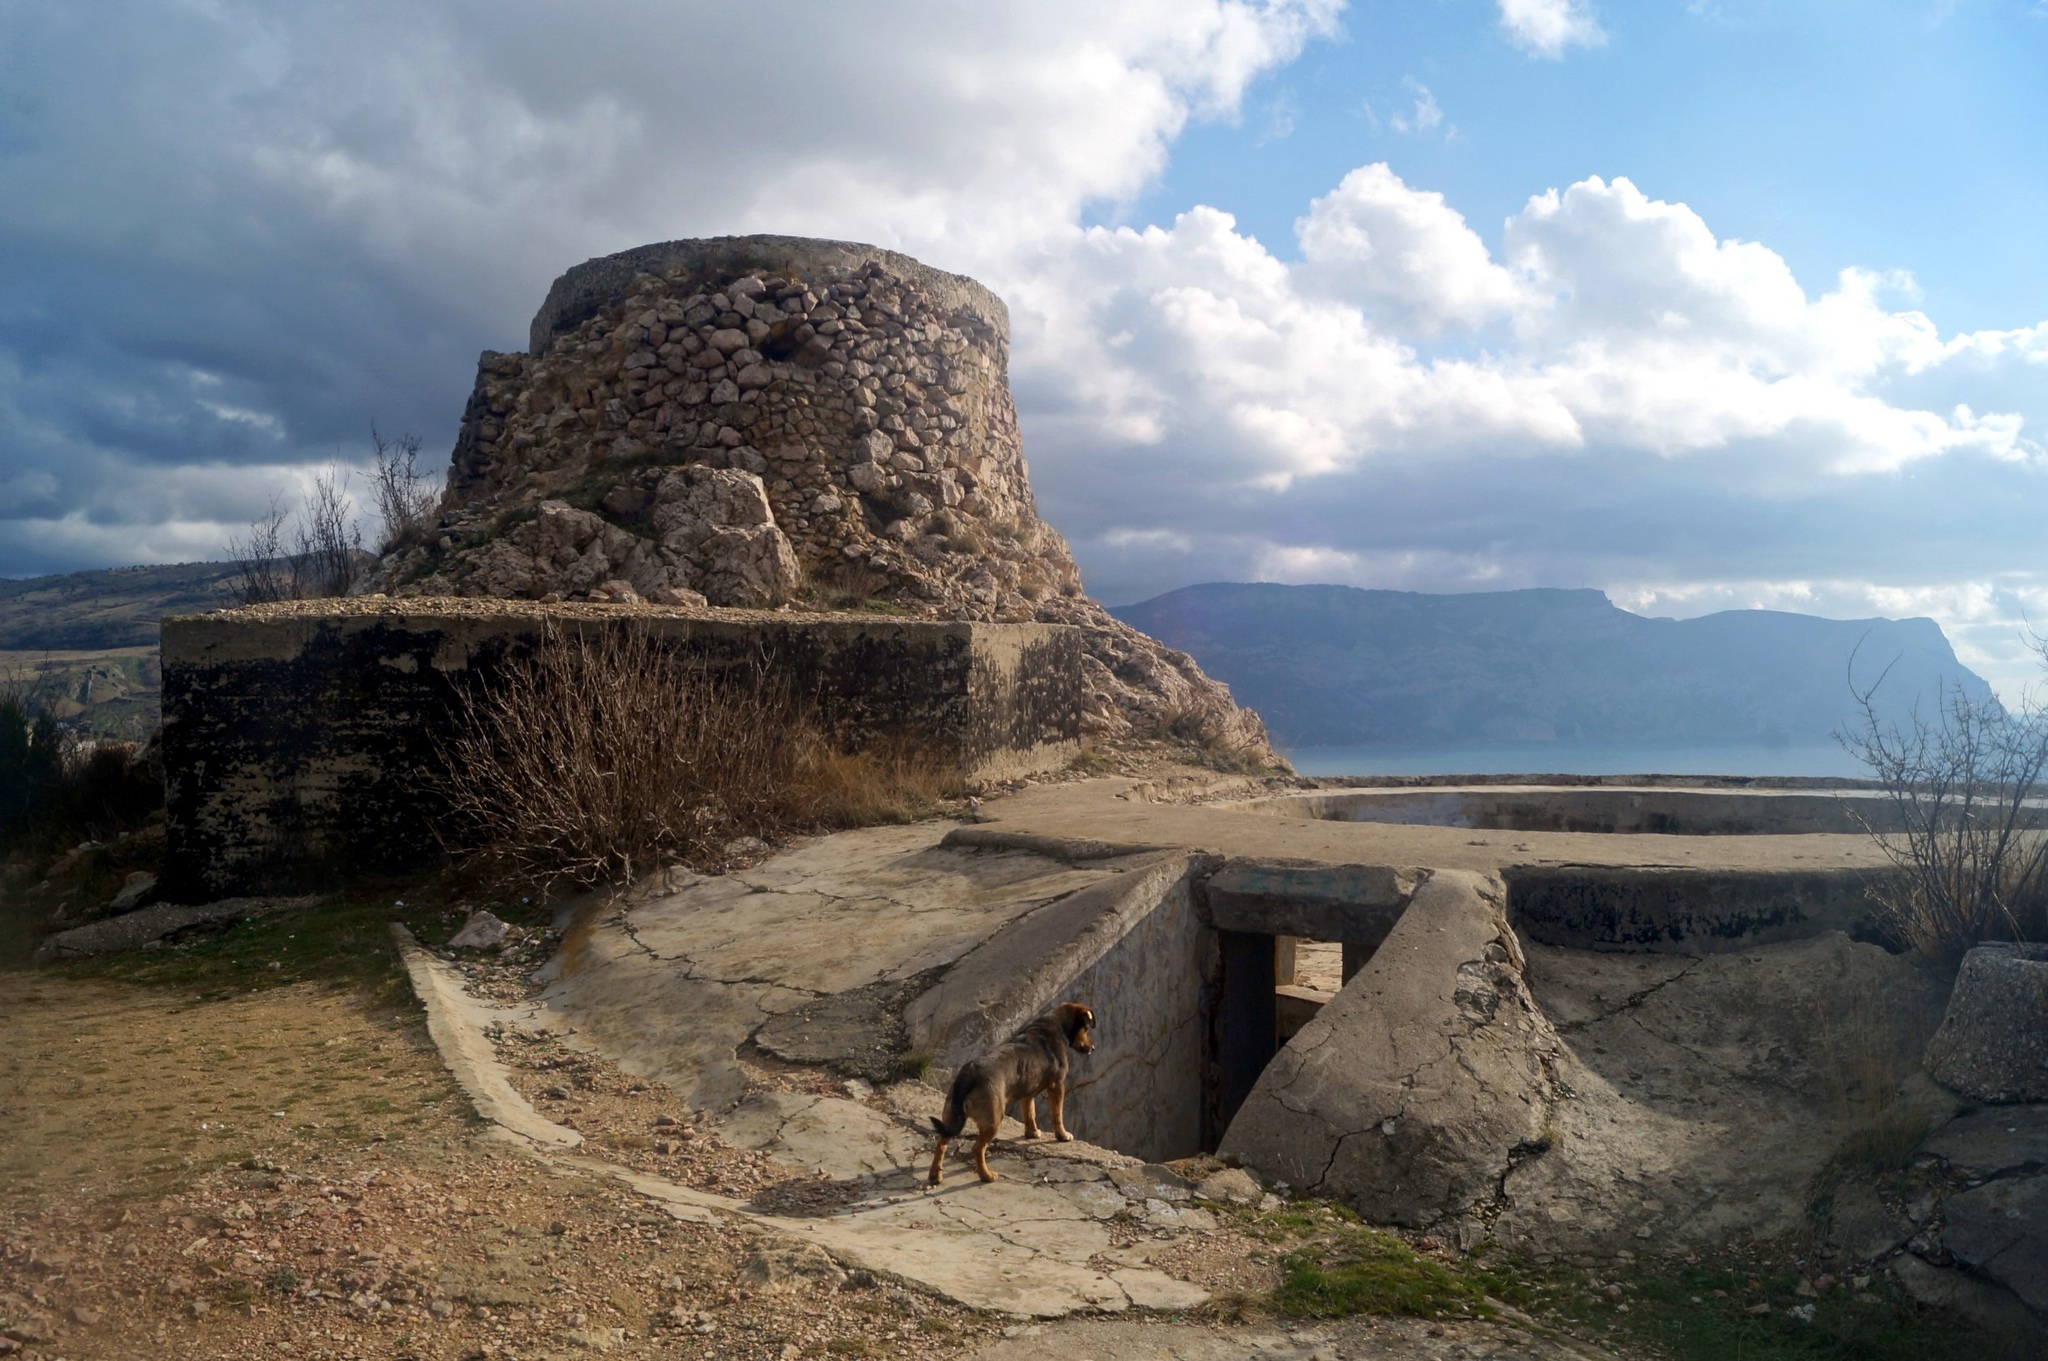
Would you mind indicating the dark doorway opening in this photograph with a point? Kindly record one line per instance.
(1271, 921)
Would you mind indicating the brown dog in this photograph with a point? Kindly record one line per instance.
(1033, 1060)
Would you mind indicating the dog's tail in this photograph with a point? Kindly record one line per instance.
(955, 1118)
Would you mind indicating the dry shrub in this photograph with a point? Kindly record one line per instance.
(323, 559)
(602, 754)
(1964, 831)
(406, 499)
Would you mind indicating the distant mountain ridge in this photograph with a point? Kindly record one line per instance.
(112, 607)
(1340, 666)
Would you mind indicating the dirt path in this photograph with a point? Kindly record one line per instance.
(290, 1173)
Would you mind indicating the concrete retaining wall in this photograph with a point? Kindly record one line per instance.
(302, 737)
(1656, 910)
(1142, 1090)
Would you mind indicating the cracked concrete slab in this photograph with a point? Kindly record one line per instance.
(671, 979)
(1407, 1091)
(1706, 1099)
(1017, 1246)
(845, 1138)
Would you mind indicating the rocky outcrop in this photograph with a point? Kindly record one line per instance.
(1993, 1043)
(754, 421)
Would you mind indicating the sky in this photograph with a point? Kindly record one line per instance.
(1708, 304)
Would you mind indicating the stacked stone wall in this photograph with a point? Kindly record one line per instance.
(758, 421)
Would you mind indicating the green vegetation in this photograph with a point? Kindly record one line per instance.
(1735, 1306)
(1361, 1270)
(52, 791)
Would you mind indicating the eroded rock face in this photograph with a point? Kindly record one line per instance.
(761, 420)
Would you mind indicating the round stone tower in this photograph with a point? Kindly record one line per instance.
(767, 420)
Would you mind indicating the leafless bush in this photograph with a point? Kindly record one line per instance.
(265, 568)
(325, 557)
(601, 755)
(405, 503)
(1965, 834)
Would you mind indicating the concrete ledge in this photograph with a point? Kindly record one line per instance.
(1654, 910)
(1667, 810)
(302, 734)
(1356, 903)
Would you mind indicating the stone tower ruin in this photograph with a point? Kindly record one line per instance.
(772, 421)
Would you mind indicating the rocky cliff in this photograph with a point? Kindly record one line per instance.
(765, 421)
(1334, 666)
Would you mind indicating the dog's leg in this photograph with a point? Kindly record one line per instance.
(939, 1161)
(984, 1136)
(1056, 1107)
(1030, 1105)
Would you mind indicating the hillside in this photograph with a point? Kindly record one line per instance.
(114, 608)
(1338, 666)
(85, 644)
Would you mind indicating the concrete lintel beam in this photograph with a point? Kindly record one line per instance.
(1354, 903)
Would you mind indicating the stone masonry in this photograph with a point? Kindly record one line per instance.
(752, 421)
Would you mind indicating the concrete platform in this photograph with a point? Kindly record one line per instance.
(1560, 1079)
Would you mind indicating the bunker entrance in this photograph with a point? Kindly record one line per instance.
(1289, 937)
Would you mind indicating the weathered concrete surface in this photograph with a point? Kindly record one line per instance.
(1582, 1100)
(143, 928)
(1709, 1093)
(1994, 1142)
(1141, 1090)
(673, 979)
(1413, 1092)
(1686, 911)
(2000, 1230)
(1027, 1245)
(1238, 819)
(1993, 1043)
(456, 1022)
(1649, 809)
(299, 731)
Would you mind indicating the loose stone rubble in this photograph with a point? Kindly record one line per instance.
(758, 420)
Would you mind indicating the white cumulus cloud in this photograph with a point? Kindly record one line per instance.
(1547, 27)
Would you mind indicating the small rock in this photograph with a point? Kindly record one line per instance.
(84, 1315)
(483, 931)
(198, 1308)
(790, 1266)
(134, 889)
(1233, 1185)
(593, 1339)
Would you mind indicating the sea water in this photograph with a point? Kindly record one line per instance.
(1583, 758)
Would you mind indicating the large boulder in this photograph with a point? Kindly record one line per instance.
(770, 419)
(1993, 1043)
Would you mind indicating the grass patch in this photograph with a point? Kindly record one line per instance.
(1736, 1306)
(1366, 1271)
(1709, 1311)
(343, 940)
